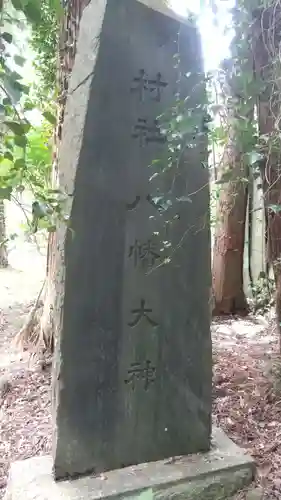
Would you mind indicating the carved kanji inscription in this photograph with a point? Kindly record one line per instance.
(141, 372)
(152, 87)
(142, 312)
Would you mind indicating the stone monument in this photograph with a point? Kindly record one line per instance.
(133, 367)
(134, 376)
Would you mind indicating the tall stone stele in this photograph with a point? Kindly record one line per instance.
(132, 374)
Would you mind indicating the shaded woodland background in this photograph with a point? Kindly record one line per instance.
(242, 120)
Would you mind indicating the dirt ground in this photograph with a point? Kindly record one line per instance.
(246, 403)
(25, 424)
(247, 395)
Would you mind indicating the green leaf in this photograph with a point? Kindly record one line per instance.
(5, 167)
(8, 143)
(8, 37)
(49, 117)
(20, 87)
(26, 127)
(29, 106)
(44, 223)
(20, 141)
(5, 193)
(15, 76)
(19, 60)
(6, 101)
(13, 236)
(57, 6)
(19, 164)
(8, 155)
(32, 11)
(17, 4)
(254, 157)
(275, 208)
(16, 127)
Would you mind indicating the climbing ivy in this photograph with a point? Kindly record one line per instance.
(44, 41)
(17, 171)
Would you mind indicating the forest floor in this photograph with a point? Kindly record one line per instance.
(247, 395)
(246, 403)
(25, 420)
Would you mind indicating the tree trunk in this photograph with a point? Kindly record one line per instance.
(266, 47)
(3, 247)
(229, 297)
(42, 335)
(67, 50)
(228, 255)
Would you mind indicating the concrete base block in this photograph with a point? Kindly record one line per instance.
(215, 475)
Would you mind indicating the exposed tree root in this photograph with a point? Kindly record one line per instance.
(31, 336)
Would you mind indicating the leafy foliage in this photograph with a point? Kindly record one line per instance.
(44, 41)
(25, 152)
(39, 159)
(263, 293)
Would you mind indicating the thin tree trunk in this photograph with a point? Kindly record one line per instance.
(3, 247)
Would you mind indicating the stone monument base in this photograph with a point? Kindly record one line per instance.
(215, 475)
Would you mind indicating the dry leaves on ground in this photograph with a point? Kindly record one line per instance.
(25, 420)
(246, 404)
(247, 400)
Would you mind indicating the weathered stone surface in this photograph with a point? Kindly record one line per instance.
(132, 379)
(215, 475)
(255, 494)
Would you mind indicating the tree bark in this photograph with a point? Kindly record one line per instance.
(229, 296)
(266, 29)
(3, 247)
(67, 50)
(40, 333)
(228, 254)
